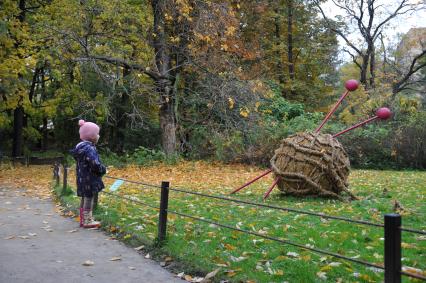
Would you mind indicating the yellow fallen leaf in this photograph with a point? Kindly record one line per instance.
(230, 247)
(231, 273)
(408, 246)
(306, 257)
(326, 268)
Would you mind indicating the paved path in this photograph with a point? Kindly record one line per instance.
(36, 245)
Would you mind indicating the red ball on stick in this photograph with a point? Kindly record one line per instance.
(351, 85)
(383, 113)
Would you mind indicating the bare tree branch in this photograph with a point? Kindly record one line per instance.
(398, 11)
(354, 59)
(339, 32)
(122, 62)
(398, 86)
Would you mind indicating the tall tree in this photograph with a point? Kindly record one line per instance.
(369, 18)
(17, 61)
(296, 49)
(168, 35)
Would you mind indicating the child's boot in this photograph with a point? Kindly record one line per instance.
(88, 221)
(81, 217)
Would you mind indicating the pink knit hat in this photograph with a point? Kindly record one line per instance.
(88, 131)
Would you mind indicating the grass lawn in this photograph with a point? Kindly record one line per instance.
(201, 247)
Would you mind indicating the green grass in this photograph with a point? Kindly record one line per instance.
(200, 247)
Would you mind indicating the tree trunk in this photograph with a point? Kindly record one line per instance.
(364, 70)
(18, 113)
(45, 134)
(164, 84)
(278, 51)
(372, 67)
(18, 124)
(167, 119)
(121, 114)
(290, 39)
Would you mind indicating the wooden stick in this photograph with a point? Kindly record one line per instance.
(271, 188)
(252, 181)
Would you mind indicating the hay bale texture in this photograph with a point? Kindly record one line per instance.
(311, 164)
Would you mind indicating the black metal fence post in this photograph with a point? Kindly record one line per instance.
(64, 188)
(162, 218)
(392, 248)
(56, 173)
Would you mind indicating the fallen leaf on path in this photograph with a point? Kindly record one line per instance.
(88, 263)
(131, 267)
(139, 248)
(148, 256)
(24, 237)
(115, 258)
(32, 234)
(72, 231)
(9, 238)
(180, 275)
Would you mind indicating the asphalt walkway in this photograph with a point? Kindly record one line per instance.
(39, 245)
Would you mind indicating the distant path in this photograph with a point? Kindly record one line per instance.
(38, 245)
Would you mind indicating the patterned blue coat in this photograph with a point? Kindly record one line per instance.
(89, 169)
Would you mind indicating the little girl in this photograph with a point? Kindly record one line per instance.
(89, 171)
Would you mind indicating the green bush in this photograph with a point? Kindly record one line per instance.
(228, 146)
(146, 156)
(110, 158)
(368, 148)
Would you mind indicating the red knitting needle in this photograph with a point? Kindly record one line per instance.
(350, 85)
(252, 181)
(271, 188)
(382, 113)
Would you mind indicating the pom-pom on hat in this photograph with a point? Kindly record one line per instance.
(88, 130)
